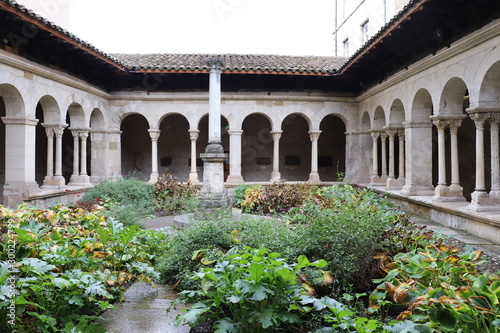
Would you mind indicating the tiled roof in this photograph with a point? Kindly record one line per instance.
(236, 63)
(64, 32)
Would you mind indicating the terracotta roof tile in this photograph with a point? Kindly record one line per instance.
(232, 63)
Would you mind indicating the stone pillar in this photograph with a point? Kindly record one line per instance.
(235, 177)
(495, 156)
(58, 179)
(314, 175)
(479, 197)
(401, 176)
(76, 153)
(383, 138)
(19, 160)
(193, 174)
(391, 182)
(83, 167)
(114, 165)
(213, 192)
(47, 182)
(276, 175)
(418, 161)
(442, 187)
(375, 176)
(455, 173)
(154, 134)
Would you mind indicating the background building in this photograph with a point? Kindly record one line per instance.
(356, 21)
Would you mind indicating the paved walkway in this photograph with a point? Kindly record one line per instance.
(144, 308)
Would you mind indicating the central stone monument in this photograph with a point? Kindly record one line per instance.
(213, 193)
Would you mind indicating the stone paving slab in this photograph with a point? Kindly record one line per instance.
(143, 311)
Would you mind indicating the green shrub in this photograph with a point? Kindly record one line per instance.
(239, 194)
(172, 196)
(215, 236)
(127, 200)
(249, 290)
(278, 197)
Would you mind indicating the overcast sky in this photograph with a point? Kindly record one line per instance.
(287, 27)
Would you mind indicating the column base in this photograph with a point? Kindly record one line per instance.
(392, 184)
(376, 181)
(208, 201)
(54, 182)
(14, 193)
(153, 178)
(193, 178)
(275, 176)
(80, 181)
(314, 178)
(416, 190)
(445, 193)
(234, 180)
(483, 202)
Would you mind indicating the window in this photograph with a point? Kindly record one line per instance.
(364, 32)
(346, 48)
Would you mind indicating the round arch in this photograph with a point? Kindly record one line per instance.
(256, 148)
(135, 147)
(174, 150)
(332, 148)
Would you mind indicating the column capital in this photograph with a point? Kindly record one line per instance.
(494, 118)
(193, 134)
(314, 135)
(59, 129)
(384, 136)
(215, 64)
(401, 134)
(479, 119)
(391, 132)
(375, 134)
(232, 132)
(276, 135)
(83, 134)
(154, 134)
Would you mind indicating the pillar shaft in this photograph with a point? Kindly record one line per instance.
(455, 175)
(375, 175)
(50, 154)
(276, 155)
(495, 158)
(401, 137)
(76, 146)
(154, 134)
(383, 137)
(314, 175)
(83, 158)
(235, 158)
(193, 174)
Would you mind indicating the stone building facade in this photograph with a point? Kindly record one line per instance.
(414, 114)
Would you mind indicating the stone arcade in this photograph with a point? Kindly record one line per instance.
(414, 114)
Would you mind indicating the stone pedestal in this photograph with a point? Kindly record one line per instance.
(213, 193)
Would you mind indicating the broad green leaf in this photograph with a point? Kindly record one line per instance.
(36, 265)
(190, 316)
(226, 326)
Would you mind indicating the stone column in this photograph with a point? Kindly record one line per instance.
(193, 174)
(114, 165)
(391, 180)
(442, 187)
(455, 173)
(418, 160)
(83, 159)
(495, 156)
(235, 158)
(314, 175)
(154, 135)
(59, 180)
(47, 182)
(275, 175)
(479, 195)
(375, 176)
(19, 160)
(74, 180)
(401, 176)
(213, 192)
(383, 137)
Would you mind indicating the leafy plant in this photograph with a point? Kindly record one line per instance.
(127, 200)
(251, 290)
(172, 196)
(68, 265)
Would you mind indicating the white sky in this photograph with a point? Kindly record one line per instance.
(286, 27)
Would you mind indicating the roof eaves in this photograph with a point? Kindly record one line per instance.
(20, 10)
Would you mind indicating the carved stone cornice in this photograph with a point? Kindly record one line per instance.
(19, 121)
(417, 124)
